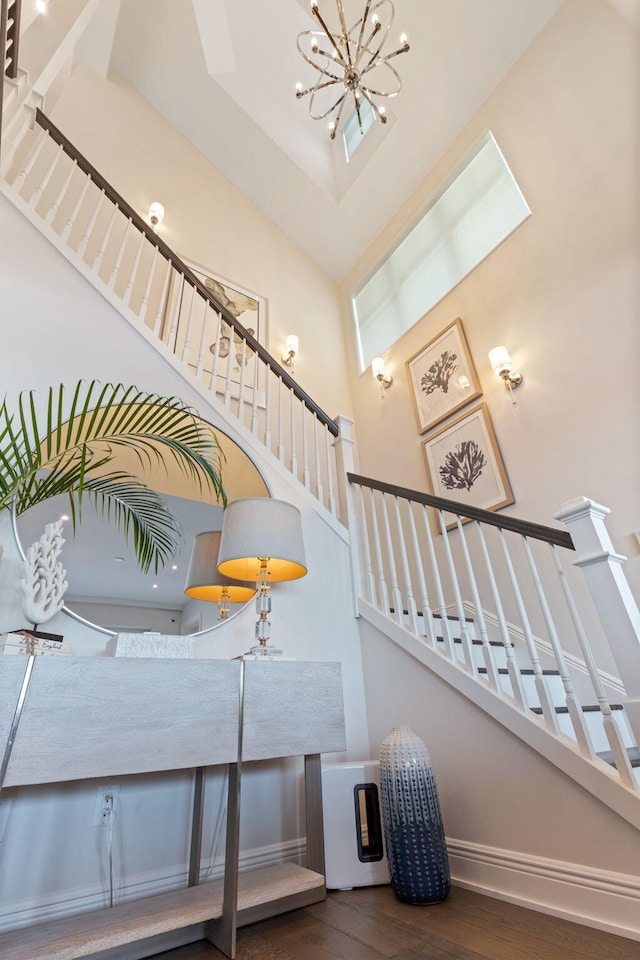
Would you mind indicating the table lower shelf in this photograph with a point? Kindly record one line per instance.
(261, 893)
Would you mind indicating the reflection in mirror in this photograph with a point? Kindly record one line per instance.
(107, 588)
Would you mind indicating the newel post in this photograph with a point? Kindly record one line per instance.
(344, 446)
(616, 606)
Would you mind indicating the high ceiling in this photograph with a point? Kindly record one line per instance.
(223, 72)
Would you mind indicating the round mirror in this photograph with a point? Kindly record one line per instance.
(107, 588)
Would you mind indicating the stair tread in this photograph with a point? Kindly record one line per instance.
(586, 708)
(632, 752)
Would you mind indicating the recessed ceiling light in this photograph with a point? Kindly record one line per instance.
(118, 559)
(155, 586)
(64, 516)
(174, 566)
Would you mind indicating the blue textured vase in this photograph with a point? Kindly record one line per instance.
(413, 829)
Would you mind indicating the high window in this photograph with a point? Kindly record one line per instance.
(470, 217)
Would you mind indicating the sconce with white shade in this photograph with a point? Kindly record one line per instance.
(380, 374)
(205, 582)
(291, 349)
(262, 542)
(156, 215)
(502, 366)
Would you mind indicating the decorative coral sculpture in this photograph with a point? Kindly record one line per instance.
(44, 581)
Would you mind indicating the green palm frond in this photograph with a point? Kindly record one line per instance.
(68, 450)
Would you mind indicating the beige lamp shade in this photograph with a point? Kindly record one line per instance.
(261, 528)
(204, 581)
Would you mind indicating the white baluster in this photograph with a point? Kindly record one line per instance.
(123, 244)
(97, 263)
(292, 424)
(18, 183)
(157, 320)
(548, 712)
(489, 662)
(55, 206)
(465, 639)
(134, 269)
(216, 353)
(306, 479)
(280, 421)
(396, 596)
(383, 594)
(90, 225)
(203, 333)
(575, 712)
(512, 667)
(368, 565)
(428, 626)
(175, 318)
(411, 600)
(329, 463)
(435, 569)
(229, 372)
(267, 406)
(254, 399)
(73, 216)
(186, 347)
(242, 362)
(42, 186)
(316, 454)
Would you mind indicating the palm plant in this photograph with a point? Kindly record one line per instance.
(71, 448)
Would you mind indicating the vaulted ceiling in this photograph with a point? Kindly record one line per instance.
(223, 72)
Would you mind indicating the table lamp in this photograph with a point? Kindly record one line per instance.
(262, 541)
(205, 582)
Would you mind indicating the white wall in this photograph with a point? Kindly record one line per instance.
(562, 293)
(59, 329)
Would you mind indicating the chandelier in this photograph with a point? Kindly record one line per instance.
(351, 61)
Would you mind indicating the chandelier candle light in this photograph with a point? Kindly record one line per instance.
(351, 61)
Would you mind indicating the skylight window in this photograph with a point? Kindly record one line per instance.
(478, 209)
(351, 136)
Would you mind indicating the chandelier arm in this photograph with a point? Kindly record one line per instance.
(337, 120)
(382, 93)
(316, 13)
(396, 53)
(317, 87)
(308, 59)
(345, 32)
(321, 116)
(376, 109)
(365, 47)
(362, 26)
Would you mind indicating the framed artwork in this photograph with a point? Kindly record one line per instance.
(464, 462)
(183, 329)
(442, 376)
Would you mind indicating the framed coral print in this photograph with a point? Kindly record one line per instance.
(464, 462)
(442, 376)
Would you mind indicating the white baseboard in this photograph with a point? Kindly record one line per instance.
(596, 898)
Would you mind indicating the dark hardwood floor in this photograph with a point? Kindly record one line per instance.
(370, 922)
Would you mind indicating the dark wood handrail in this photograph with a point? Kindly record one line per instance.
(11, 32)
(83, 164)
(536, 531)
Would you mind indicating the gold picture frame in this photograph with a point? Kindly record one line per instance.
(464, 462)
(443, 377)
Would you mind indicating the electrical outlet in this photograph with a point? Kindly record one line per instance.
(106, 803)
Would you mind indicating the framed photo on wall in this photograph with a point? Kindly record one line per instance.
(443, 377)
(464, 462)
(183, 328)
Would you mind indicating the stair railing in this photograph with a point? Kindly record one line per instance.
(466, 579)
(137, 271)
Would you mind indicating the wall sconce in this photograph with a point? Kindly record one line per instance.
(204, 582)
(156, 215)
(291, 347)
(502, 366)
(41, 6)
(379, 373)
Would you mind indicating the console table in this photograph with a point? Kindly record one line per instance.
(75, 718)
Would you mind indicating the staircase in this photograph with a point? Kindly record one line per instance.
(502, 629)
